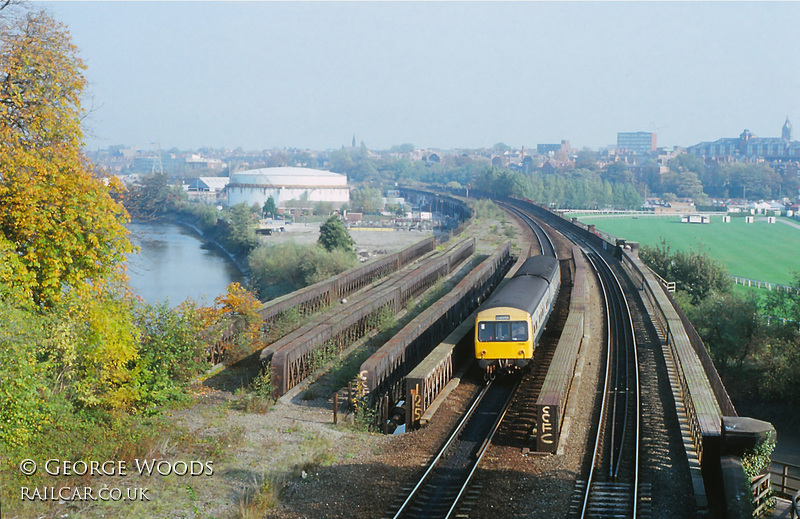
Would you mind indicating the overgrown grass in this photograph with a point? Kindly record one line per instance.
(257, 397)
(256, 503)
(488, 210)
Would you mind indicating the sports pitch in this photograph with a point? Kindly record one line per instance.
(759, 250)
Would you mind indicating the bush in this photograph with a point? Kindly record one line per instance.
(694, 272)
(205, 215)
(279, 269)
(25, 381)
(171, 352)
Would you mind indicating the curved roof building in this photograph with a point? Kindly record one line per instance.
(285, 184)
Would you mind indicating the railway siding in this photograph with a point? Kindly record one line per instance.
(298, 354)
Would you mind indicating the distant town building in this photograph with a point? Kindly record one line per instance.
(196, 162)
(547, 149)
(748, 147)
(286, 184)
(636, 142)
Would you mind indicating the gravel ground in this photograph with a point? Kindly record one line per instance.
(366, 242)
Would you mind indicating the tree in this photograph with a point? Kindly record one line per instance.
(750, 180)
(785, 304)
(689, 185)
(402, 148)
(729, 327)
(696, 273)
(241, 228)
(586, 159)
(688, 162)
(66, 230)
(269, 208)
(333, 235)
(366, 200)
(154, 198)
(617, 173)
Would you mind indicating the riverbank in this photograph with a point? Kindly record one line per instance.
(368, 243)
(238, 260)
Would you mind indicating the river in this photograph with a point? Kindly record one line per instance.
(175, 264)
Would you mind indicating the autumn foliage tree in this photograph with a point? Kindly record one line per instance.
(60, 230)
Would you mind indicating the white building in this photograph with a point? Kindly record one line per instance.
(209, 184)
(286, 184)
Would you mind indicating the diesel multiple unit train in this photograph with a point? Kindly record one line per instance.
(511, 321)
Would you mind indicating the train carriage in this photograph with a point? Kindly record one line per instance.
(510, 322)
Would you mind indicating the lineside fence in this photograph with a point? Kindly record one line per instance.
(754, 283)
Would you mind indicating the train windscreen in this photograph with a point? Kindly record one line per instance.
(514, 331)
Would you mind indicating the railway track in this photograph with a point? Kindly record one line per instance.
(440, 489)
(612, 487)
(545, 243)
(660, 474)
(520, 429)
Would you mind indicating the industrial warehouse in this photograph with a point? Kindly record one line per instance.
(286, 184)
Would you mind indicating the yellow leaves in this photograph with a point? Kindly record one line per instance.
(242, 305)
(42, 81)
(107, 347)
(65, 227)
(16, 282)
(237, 301)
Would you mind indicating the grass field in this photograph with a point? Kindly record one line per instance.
(767, 252)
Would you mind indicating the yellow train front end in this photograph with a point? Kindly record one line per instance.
(503, 339)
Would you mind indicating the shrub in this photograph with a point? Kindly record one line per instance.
(282, 268)
(171, 351)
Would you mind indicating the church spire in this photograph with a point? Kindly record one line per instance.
(786, 132)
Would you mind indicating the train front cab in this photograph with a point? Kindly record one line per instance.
(503, 339)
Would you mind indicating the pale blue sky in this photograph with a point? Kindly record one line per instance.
(441, 74)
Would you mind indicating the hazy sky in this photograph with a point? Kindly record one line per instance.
(436, 74)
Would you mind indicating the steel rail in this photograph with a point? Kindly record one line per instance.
(628, 330)
(444, 448)
(630, 335)
(609, 343)
(623, 323)
(537, 229)
(484, 448)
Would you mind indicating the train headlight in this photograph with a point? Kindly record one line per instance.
(521, 353)
(483, 353)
